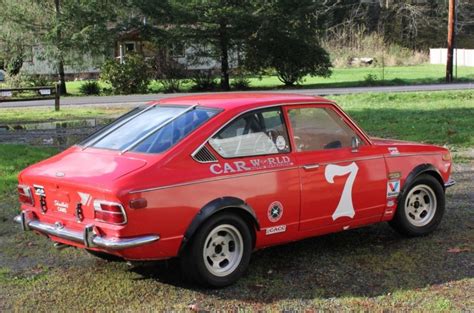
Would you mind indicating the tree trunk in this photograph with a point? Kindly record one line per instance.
(62, 87)
(60, 65)
(224, 47)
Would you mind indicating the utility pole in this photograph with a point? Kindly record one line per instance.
(449, 63)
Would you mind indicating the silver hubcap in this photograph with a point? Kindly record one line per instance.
(420, 205)
(223, 250)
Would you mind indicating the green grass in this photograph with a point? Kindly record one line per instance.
(67, 113)
(443, 117)
(342, 77)
(14, 158)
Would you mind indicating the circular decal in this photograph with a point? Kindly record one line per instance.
(275, 211)
(280, 142)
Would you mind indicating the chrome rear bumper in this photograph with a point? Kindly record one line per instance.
(88, 237)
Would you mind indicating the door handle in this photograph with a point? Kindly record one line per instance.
(309, 167)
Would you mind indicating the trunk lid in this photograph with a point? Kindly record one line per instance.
(66, 185)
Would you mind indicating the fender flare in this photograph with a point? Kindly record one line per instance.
(213, 207)
(418, 170)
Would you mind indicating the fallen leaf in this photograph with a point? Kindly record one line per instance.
(193, 307)
(458, 250)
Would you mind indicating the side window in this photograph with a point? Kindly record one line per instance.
(319, 129)
(258, 132)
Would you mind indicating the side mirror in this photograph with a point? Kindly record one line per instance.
(355, 144)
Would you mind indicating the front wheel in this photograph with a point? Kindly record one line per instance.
(420, 208)
(220, 251)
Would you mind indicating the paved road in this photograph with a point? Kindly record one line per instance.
(140, 99)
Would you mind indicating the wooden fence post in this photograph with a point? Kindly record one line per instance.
(57, 96)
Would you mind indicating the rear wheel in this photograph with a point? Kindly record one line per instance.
(421, 207)
(219, 252)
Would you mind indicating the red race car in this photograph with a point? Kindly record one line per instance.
(210, 178)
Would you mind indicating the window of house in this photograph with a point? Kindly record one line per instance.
(130, 47)
(319, 129)
(258, 132)
(178, 50)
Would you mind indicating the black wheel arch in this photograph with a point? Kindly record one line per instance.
(424, 168)
(230, 204)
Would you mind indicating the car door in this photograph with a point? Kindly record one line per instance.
(341, 187)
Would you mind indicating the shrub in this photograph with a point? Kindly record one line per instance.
(351, 41)
(370, 79)
(22, 80)
(292, 57)
(204, 81)
(13, 67)
(168, 72)
(240, 82)
(39, 80)
(130, 77)
(91, 87)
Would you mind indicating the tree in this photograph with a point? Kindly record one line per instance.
(287, 41)
(65, 30)
(216, 28)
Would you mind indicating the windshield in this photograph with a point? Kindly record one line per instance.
(151, 129)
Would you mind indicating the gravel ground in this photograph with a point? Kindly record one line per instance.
(371, 268)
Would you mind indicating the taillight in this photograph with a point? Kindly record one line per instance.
(24, 195)
(109, 212)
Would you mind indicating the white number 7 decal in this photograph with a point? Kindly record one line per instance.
(345, 206)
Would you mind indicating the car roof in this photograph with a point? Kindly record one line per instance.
(234, 100)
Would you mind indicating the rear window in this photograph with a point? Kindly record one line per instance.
(150, 129)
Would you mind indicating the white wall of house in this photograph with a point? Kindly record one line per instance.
(191, 59)
(38, 65)
(462, 57)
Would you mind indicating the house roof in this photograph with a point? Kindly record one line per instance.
(231, 100)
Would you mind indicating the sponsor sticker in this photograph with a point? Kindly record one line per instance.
(394, 175)
(250, 165)
(61, 206)
(280, 143)
(275, 211)
(393, 150)
(393, 188)
(85, 198)
(275, 230)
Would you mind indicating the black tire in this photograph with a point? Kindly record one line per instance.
(105, 256)
(193, 260)
(405, 220)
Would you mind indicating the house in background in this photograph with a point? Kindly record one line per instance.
(35, 64)
(190, 57)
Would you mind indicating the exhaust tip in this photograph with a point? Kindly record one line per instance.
(60, 246)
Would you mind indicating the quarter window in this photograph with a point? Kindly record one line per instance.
(319, 129)
(258, 132)
(150, 129)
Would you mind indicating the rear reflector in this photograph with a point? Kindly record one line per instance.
(139, 203)
(24, 195)
(109, 212)
(447, 156)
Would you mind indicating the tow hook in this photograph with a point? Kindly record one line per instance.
(60, 246)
